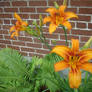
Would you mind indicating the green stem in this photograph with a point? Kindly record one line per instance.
(76, 90)
(65, 36)
(86, 75)
(45, 90)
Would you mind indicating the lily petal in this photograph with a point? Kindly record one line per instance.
(60, 66)
(17, 17)
(74, 78)
(62, 8)
(12, 29)
(85, 55)
(70, 15)
(47, 19)
(52, 28)
(87, 67)
(63, 51)
(75, 46)
(52, 11)
(67, 25)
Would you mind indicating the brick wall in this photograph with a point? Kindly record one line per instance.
(30, 10)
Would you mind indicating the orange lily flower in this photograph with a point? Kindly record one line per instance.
(74, 59)
(19, 26)
(57, 17)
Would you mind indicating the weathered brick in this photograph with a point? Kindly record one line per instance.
(18, 43)
(42, 51)
(87, 3)
(84, 39)
(25, 39)
(1, 9)
(2, 45)
(6, 21)
(69, 37)
(81, 25)
(82, 32)
(34, 45)
(5, 16)
(4, 3)
(19, 3)
(13, 47)
(5, 41)
(41, 10)
(23, 53)
(27, 49)
(27, 9)
(84, 18)
(85, 10)
(38, 3)
(10, 9)
(90, 25)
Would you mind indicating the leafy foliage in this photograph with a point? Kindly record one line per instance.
(36, 75)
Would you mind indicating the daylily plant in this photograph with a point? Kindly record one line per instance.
(74, 59)
(19, 26)
(59, 16)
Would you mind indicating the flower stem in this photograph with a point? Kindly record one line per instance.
(86, 76)
(65, 36)
(75, 90)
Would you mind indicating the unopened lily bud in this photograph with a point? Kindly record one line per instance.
(88, 43)
(65, 2)
(56, 5)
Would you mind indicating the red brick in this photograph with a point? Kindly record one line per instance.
(81, 3)
(2, 45)
(54, 36)
(3, 32)
(25, 39)
(85, 10)
(34, 45)
(25, 16)
(5, 41)
(27, 49)
(6, 21)
(27, 9)
(4, 3)
(1, 10)
(7, 37)
(37, 3)
(1, 36)
(13, 47)
(18, 43)
(6, 26)
(34, 16)
(51, 2)
(90, 25)
(19, 3)
(42, 51)
(69, 37)
(84, 39)
(5, 16)
(23, 53)
(84, 18)
(1, 21)
(82, 32)
(10, 9)
(41, 10)
(72, 9)
(81, 25)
